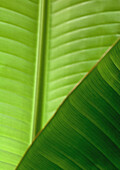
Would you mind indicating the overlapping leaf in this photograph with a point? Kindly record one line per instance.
(39, 67)
(85, 132)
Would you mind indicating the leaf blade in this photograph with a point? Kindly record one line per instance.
(81, 129)
(75, 43)
(18, 30)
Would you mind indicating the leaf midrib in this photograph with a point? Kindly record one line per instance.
(40, 72)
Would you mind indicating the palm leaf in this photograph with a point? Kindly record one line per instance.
(85, 131)
(42, 56)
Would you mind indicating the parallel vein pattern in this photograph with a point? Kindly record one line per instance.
(18, 30)
(79, 33)
(85, 131)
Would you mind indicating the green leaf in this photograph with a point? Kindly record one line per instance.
(42, 56)
(78, 34)
(18, 32)
(85, 131)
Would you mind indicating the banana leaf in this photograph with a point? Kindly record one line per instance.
(85, 131)
(46, 47)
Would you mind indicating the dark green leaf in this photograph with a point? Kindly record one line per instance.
(85, 131)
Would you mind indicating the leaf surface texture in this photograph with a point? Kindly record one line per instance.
(42, 56)
(79, 32)
(85, 131)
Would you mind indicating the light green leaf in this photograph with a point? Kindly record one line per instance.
(85, 131)
(78, 34)
(18, 32)
(46, 47)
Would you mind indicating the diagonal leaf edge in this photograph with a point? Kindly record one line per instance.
(101, 153)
